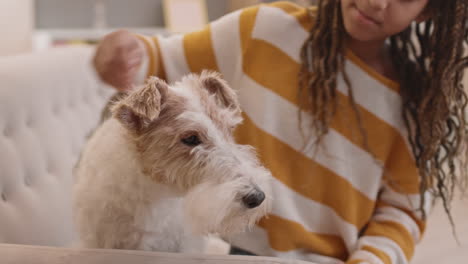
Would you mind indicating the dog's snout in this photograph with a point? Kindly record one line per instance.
(253, 199)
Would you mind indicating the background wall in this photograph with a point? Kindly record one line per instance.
(16, 26)
(120, 13)
(123, 13)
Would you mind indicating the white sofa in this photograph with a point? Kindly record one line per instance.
(49, 102)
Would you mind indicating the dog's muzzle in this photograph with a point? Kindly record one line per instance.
(253, 199)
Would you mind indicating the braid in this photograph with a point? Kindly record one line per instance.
(434, 100)
(322, 71)
(430, 61)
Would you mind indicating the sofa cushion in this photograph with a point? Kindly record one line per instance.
(49, 102)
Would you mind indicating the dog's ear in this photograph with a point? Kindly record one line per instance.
(142, 105)
(215, 85)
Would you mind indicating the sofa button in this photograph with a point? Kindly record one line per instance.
(55, 110)
(27, 181)
(29, 122)
(4, 198)
(7, 131)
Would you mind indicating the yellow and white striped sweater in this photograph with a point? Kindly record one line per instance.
(340, 203)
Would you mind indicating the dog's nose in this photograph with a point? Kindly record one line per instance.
(253, 199)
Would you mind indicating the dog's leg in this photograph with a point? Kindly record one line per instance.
(194, 244)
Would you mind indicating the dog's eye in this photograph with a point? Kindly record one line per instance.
(192, 141)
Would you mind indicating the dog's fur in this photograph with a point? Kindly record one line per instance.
(164, 171)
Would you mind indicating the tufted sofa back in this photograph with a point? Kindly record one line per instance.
(49, 102)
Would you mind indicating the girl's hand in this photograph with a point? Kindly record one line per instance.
(118, 58)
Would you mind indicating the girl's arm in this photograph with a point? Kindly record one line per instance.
(215, 47)
(397, 224)
(123, 59)
(119, 58)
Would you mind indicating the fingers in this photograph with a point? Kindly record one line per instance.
(118, 59)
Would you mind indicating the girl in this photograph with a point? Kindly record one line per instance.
(356, 106)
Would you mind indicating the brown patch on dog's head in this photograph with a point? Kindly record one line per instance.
(177, 130)
(158, 143)
(141, 106)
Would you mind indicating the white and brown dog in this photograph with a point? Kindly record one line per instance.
(164, 170)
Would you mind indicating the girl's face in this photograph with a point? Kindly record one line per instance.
(368, 20)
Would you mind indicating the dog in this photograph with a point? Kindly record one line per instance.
(163, 172)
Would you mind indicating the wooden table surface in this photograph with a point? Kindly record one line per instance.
(24, 254)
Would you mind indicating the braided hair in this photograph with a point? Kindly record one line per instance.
(430, 66)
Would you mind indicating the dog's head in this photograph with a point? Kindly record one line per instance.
(184, 133)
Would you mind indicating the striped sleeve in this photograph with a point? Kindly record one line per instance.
(215, 47)
(397, 224)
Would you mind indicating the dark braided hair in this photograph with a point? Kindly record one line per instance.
(430, 61)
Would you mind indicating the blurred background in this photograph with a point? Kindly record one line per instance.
(33, 25)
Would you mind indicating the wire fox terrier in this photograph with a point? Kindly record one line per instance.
(163, 171)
